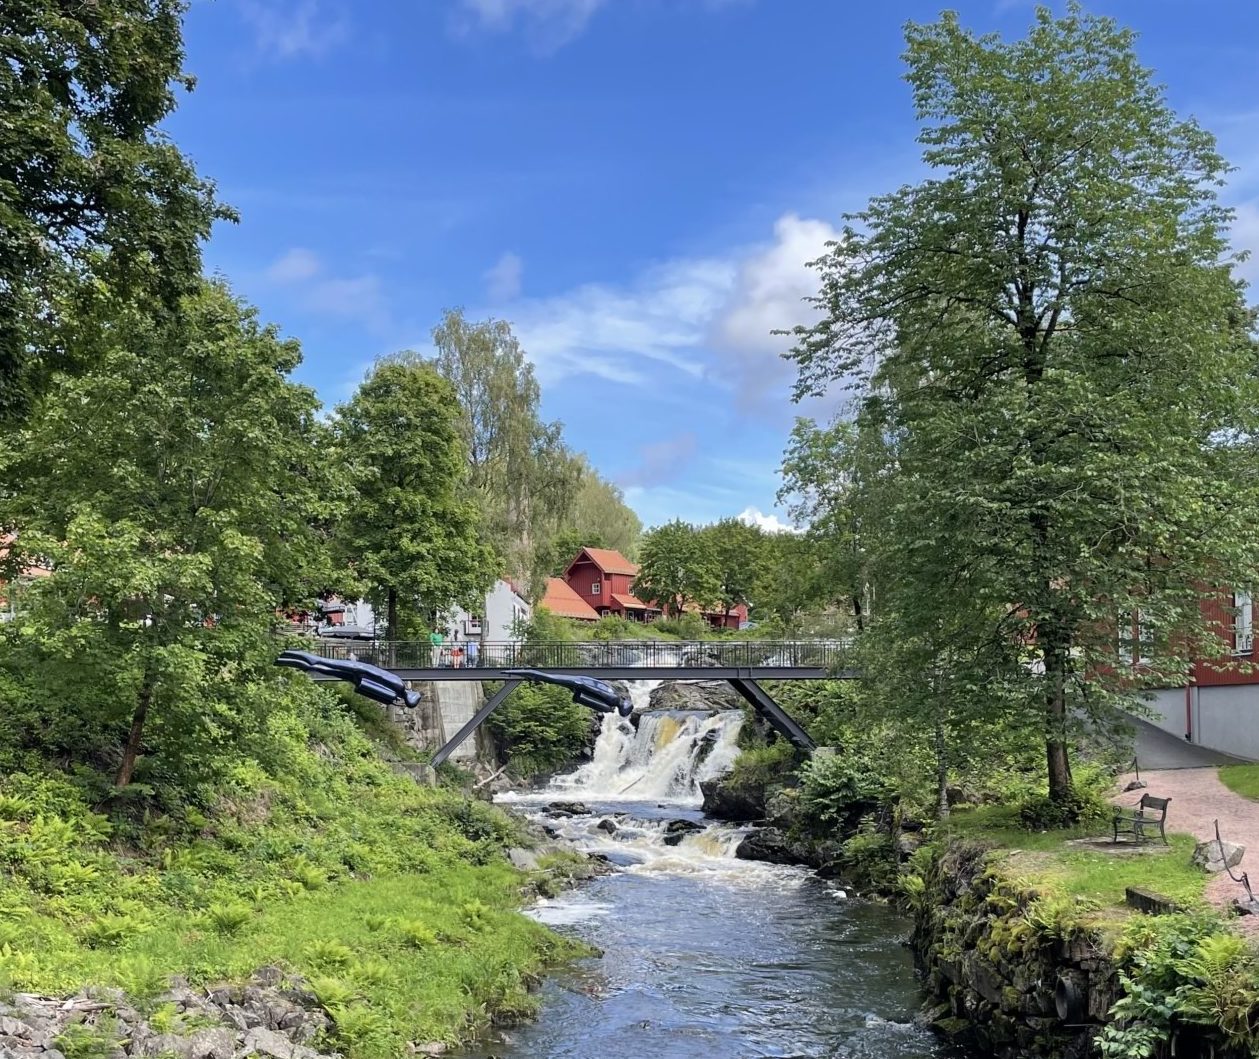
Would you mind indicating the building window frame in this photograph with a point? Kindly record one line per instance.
(596, 588)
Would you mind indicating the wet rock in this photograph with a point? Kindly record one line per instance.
(568, 809)
(694, 697)
(676, 830)
(725, 801)
(607, 825)
(432, 1048)
(1216, 856)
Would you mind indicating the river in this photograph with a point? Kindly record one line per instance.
(704, 956)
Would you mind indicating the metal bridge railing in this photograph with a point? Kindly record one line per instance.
(597, 654)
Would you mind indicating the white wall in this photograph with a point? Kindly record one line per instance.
(502, 608)
(1225, 717)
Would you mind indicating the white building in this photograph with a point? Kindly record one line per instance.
(505, 607)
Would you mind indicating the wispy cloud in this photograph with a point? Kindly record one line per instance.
(284, 30)
(691, 319)
(550, 24)
(317, 290)
(504, 278)
(660, 461)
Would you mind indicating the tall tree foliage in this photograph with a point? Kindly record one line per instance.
(676, 568)
(172, 488)
(413, 533)
(89, 186)
(1048, 334)
(518, 467)
(740, 556)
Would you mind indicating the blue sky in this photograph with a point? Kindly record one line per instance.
(635, 184)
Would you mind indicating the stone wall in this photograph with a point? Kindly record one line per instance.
(445, 707)
(1011, 978)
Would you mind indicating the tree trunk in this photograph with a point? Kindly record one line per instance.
(858, 613)
(942, 772)
(392, 617)
(1057, 761)
(132, 749)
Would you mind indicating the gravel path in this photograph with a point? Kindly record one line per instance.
(1198, 800)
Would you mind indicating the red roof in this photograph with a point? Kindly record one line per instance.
(632, 602)
(562, 600)
(607, 560)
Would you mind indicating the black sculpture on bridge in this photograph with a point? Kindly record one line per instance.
(587, 691)
(368, 680)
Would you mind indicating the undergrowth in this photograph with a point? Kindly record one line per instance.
(313, 855)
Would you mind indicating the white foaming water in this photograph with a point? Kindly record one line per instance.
(664, 758)
(636, 775)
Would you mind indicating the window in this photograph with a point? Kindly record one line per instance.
(1243, 623)
(596, 588)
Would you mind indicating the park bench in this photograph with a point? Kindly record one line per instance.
(1138, 821)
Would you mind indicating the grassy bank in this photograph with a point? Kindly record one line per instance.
(393, 900)
(1049, 862)
(1241, 779)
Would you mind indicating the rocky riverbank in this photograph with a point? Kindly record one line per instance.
(274, 1016)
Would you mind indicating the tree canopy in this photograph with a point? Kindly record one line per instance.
(1047, 336)
(89, 185)
(173, 494)
(413, 532)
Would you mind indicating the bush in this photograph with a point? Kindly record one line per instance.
(540, 729)
(1085, 806)
(837, 789)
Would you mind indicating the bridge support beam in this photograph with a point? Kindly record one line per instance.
(478, 719)
(777, 717)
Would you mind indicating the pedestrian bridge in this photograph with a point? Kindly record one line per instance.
(742, 663)
(605, 659)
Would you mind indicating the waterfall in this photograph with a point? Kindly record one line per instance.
(663, 759)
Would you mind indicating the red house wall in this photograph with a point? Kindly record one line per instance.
(1218, 610)
(582, 577)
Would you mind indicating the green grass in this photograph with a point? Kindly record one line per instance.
(1241, 779)
(394, 900)
(1044, 860)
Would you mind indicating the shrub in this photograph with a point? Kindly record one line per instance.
(837, 789)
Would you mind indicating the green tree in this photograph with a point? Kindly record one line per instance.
(822, 472)
(600, 511)
(741, 556)
(173, 489)
(413, 534)
(676, 568)
(518, 467)
(1048, 333)
(89, 185)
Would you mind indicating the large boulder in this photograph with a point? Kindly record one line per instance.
(1216, 856)
(694, 696)
(780, 847)
(727, 801)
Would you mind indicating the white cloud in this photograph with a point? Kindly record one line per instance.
(753, 516)
(660, 461)
(503, 280)
(550, 23)
(1246, 238)
(287, 31)
(360, 298)
(707, 319)
(296, 265)
(769, 295)
(626, 334)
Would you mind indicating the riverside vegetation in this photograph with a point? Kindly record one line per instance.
(1004, 899)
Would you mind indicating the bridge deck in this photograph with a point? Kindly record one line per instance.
(610, 660)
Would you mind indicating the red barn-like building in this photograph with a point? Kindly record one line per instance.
(602, 578)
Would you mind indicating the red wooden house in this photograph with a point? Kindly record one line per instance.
(602, 578)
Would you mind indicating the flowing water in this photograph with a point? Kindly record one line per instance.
(705, 956)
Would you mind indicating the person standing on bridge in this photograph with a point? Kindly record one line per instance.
(474, 649)
(435, 638)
